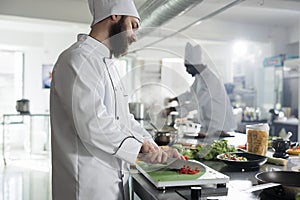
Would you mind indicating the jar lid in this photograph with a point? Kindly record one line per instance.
(261, 126)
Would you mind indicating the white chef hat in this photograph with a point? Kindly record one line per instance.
(193, 54)
(101, 9)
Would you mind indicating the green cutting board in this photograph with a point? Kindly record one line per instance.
(170, 174)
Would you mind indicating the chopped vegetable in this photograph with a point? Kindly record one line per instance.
(233, 156)
(188, 170)
(210, 152)
(207, 151)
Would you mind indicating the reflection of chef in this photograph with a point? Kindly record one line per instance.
(207, 95)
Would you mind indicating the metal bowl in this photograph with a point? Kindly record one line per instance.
(162, 138)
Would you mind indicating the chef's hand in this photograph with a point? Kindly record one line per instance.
(169, 100)
(167, 111)
(149, 147)
(158, 156)
(173, 153)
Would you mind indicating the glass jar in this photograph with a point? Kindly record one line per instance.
(257, 138)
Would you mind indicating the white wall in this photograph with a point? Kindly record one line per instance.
(53, 44)
(42, 41)
(41, 44)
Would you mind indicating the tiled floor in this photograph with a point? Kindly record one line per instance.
(25, 180)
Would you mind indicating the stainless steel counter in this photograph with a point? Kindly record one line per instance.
(239, 179)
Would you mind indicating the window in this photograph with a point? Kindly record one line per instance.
(11, 80)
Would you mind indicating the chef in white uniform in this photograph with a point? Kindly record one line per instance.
(207, 95)
(94, 137)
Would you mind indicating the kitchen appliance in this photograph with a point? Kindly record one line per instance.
(22, 106)
(162, 138)
(138, 110)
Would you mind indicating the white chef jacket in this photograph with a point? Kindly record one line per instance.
(94, 137)
(208, 96)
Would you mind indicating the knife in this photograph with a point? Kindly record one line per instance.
(172, 163)
(178, 164)
(147, 166)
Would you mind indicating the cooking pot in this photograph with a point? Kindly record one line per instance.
(137, 109)
(288, 179)
(162, 138)
(22, 106)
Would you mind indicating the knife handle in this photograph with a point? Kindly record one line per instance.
(196, 193)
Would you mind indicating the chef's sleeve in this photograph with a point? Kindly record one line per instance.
(187, 101)
(218, 110)
(96, 127)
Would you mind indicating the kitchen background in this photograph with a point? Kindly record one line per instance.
(253, 45)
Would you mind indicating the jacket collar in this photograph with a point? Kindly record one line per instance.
(99, 47)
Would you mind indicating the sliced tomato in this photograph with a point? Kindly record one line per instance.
(188, 170)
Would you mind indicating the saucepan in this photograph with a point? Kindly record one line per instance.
(137, 109)
(288, 179)
(22, 106)
(161, 137)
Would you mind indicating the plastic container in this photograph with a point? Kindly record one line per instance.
(257, 138)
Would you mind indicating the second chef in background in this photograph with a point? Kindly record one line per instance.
(207, 95)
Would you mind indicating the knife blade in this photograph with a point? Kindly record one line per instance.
(178, 164)
(147, 166)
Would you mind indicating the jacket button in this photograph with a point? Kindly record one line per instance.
(117, 117)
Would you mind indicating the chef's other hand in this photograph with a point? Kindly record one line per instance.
(173, 153)
(149, 147)
(158, 156)
(169, 100)
(167, 111)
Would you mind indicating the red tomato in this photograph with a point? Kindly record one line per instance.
(188, 170)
